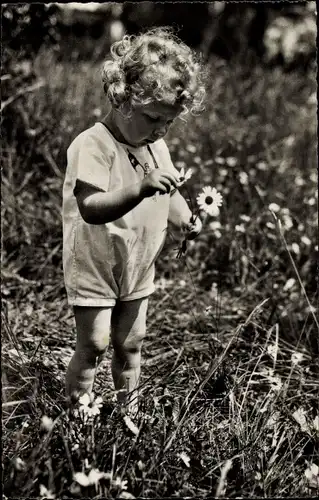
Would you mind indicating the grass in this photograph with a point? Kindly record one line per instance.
(226, 410)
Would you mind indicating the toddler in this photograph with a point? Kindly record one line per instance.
(119, 193)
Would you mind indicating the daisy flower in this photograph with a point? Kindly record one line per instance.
(312, 475)
(47, 423)
(119, 483)
(185, 458)
(93, 477)
(296, 358)
(209, 200)
(90, 407)
(184, 175)
(44, 492)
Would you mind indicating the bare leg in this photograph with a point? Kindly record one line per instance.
(93, 333)
(128, 332)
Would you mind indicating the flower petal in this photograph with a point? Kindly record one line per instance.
(131, 425)
(85, 399)
(81, 478)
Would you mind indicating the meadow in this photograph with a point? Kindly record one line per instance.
(229, 388)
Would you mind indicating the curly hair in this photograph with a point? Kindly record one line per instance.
(155, 65)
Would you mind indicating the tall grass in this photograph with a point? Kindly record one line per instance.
(229, 388)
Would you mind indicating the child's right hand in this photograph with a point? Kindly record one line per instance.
(158, 180)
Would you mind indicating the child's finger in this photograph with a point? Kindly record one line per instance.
(163, 187)
(173, 179)
(166, 182)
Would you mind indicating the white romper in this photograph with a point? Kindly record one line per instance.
(106, 262)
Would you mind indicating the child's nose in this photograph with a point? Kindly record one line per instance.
(163, 127)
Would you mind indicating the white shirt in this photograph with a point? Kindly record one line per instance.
(115, 260)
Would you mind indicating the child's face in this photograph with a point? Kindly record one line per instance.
(148, 123)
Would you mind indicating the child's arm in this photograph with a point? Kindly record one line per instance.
(98, 207)
(181, 216)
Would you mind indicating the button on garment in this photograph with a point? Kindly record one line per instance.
(106, 262)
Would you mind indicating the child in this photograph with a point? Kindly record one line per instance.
(119, 192)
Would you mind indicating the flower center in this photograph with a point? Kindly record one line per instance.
(209, 200)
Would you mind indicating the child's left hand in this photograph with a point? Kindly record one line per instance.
(193, 227)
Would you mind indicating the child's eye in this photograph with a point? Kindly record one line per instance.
(152, 118)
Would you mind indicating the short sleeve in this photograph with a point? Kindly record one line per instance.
(90, 161)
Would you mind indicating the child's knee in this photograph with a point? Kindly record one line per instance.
(93, 331)
(95, 347)
(130, 344)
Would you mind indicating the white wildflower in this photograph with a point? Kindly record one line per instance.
(44, 492)
(287, 222)
(295, 248)
(209, 162)
(184, 176)
(300, 417)
(210, 200)
(126, 495)
(243, 178)
(305, 240)
(312, 475)
(46, 423)
(240, 228)
(289, 284)
(185, 458)
(244, 218)
(81, 478)
(231, 161)
(93, 477)
(175, 141)
(220, 160)
(140, 465)
(223, 172)
(19, 464)
(191, 148)
(290, 140)
(262, 165)
(131, 426)
(311, 201)
(85, 400)
(119, 483)
(215, 225)
(299, 181)
(296, 358)
(88, 406)
(274, 207)
(180, 164)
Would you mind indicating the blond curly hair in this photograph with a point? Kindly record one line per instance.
(155, 65)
